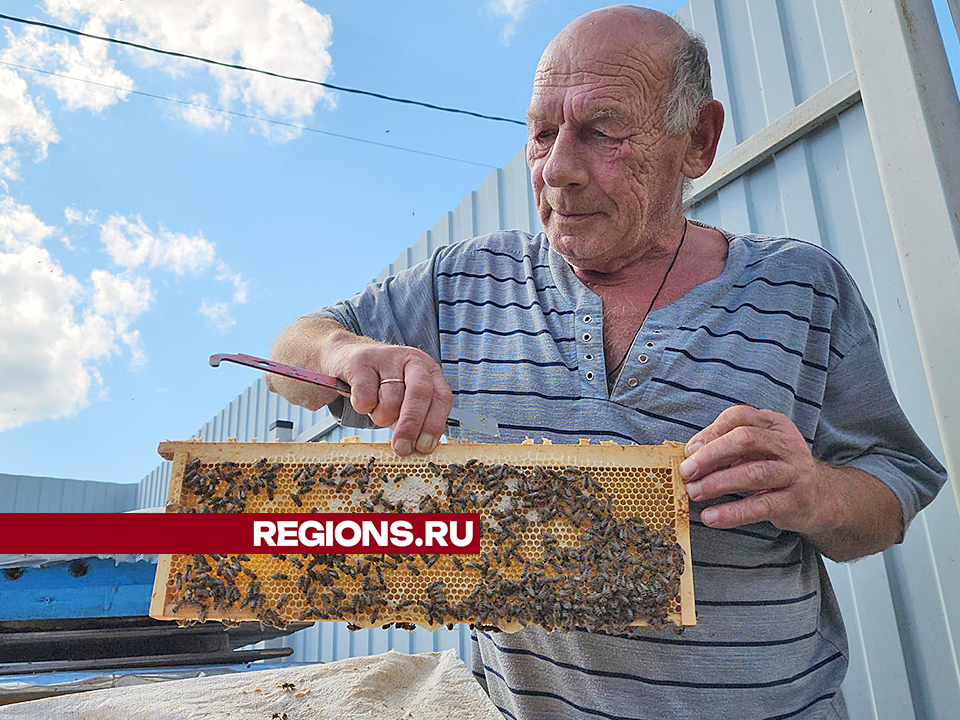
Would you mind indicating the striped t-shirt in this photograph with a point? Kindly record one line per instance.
(783, 327)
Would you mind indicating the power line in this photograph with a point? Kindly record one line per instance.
(329, 86)
(248, 116)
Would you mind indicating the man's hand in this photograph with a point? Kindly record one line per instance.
(846, 512)
(762, 452)
(416, 409)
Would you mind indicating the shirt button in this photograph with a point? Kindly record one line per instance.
(587, 318)
(588, 356)
(657, 332)
(632, 382)
(589, 375)
(586, 337)
(649, 344)
(643, 358)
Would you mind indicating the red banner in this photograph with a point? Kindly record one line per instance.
(235, 533)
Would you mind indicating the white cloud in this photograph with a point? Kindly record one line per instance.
(130, 243)
(77, 217)
(513, 11)
(127, 242)
(285, 36)
(240, 286)
(202, 118)
(182, 254)
(19, 227)
(85, 59)
(122, 299)
(131, 339)
(217, 314)
(56, 329)
(21, 121)
(45, 350)
(9, 165)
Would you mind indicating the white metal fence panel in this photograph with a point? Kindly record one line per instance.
(29, 494)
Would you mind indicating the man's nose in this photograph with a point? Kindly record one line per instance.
(565, 163)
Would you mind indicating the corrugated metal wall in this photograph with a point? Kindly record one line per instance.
(30, 494)
(900, 607)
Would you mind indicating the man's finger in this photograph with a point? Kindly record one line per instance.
(364, 389)
(746, 477)
(416, 402)
(390, 400)
(740, 444)
(726, 421)
(435, 423)
(754, 509)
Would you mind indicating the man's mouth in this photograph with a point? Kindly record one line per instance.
(573, 215)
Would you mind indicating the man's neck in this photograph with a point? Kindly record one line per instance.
(702, 258)
(636, 266)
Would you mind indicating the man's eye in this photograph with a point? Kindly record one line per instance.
(545, 135)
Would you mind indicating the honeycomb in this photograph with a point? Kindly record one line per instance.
(581, 536)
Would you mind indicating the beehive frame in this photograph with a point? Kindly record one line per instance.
(641, 482)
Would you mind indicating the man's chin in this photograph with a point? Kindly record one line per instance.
(578, 250)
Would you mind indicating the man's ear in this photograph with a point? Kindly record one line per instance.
(703, 140)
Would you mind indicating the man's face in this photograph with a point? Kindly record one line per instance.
(602, 165)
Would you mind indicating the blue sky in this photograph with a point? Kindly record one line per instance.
(303, 221)
(136, 239)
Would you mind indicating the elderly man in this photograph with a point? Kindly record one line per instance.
(625, 321)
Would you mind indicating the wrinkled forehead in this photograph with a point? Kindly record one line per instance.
(577, 77)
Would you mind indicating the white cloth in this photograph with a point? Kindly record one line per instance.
(391, 686)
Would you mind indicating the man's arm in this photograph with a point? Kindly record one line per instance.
(416, 408)
(845, 512)
(864, 516)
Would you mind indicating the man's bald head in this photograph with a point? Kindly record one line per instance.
(672, 52)
(626, 26)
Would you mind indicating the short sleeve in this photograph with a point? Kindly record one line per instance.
(862, 426)
(401, 310)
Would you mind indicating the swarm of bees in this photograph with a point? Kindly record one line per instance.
(606, 573)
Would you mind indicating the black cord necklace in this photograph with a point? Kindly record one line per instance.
(613, 373)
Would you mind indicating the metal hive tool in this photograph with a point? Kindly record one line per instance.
(575, 536)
